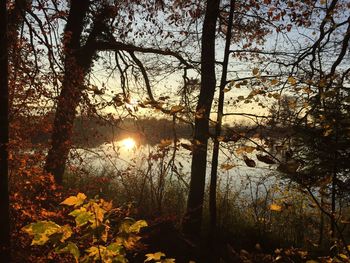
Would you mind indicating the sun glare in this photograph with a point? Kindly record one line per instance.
(128, 143)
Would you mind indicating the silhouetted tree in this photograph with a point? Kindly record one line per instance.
(82, 41)
(193, 219)
(4, 138)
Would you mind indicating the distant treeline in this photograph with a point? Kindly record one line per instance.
(93, 131)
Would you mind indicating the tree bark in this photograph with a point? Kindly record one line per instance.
(4, 138)
(193, 218)
(77, 63)
(215, 156)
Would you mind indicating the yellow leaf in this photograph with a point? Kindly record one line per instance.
(221, 138)
(135, 228)
(106, 205)
(95, 252)
(169, 260)
(274, 82)
(74, 200)
(66, 232)
(275, 207)
(41, 231)
(176, 109)
(292, 81)
(98, 214)
(307, 90)
(155, 256)
(255, 71)
(226, 166)
(130, 242)
(327, 132)
(245, 149)
(276, 96)
(165, 143)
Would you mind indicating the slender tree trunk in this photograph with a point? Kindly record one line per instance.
(77, 64)
(333, 203)
(321, 226)
(335, 164)
(215, 156)
(4, 139)
(193, 218)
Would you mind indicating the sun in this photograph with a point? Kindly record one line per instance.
(128, 143)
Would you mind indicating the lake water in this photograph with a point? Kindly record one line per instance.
(123, 155)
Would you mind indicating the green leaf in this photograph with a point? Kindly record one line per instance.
(72, 249)
(41, 231)
(75, 200)
(82, 216)
(115, 247)
(130, 226)
(135, 228)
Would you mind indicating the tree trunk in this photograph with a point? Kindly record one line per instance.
(4, 139)
(77, 64)
(193, 218)
(215, 156)
(321, 226)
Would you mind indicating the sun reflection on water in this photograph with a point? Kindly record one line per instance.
(128, 143)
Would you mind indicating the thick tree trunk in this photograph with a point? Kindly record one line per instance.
(4, 139)
(63, 124)
(193, 219)
(77, 64)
